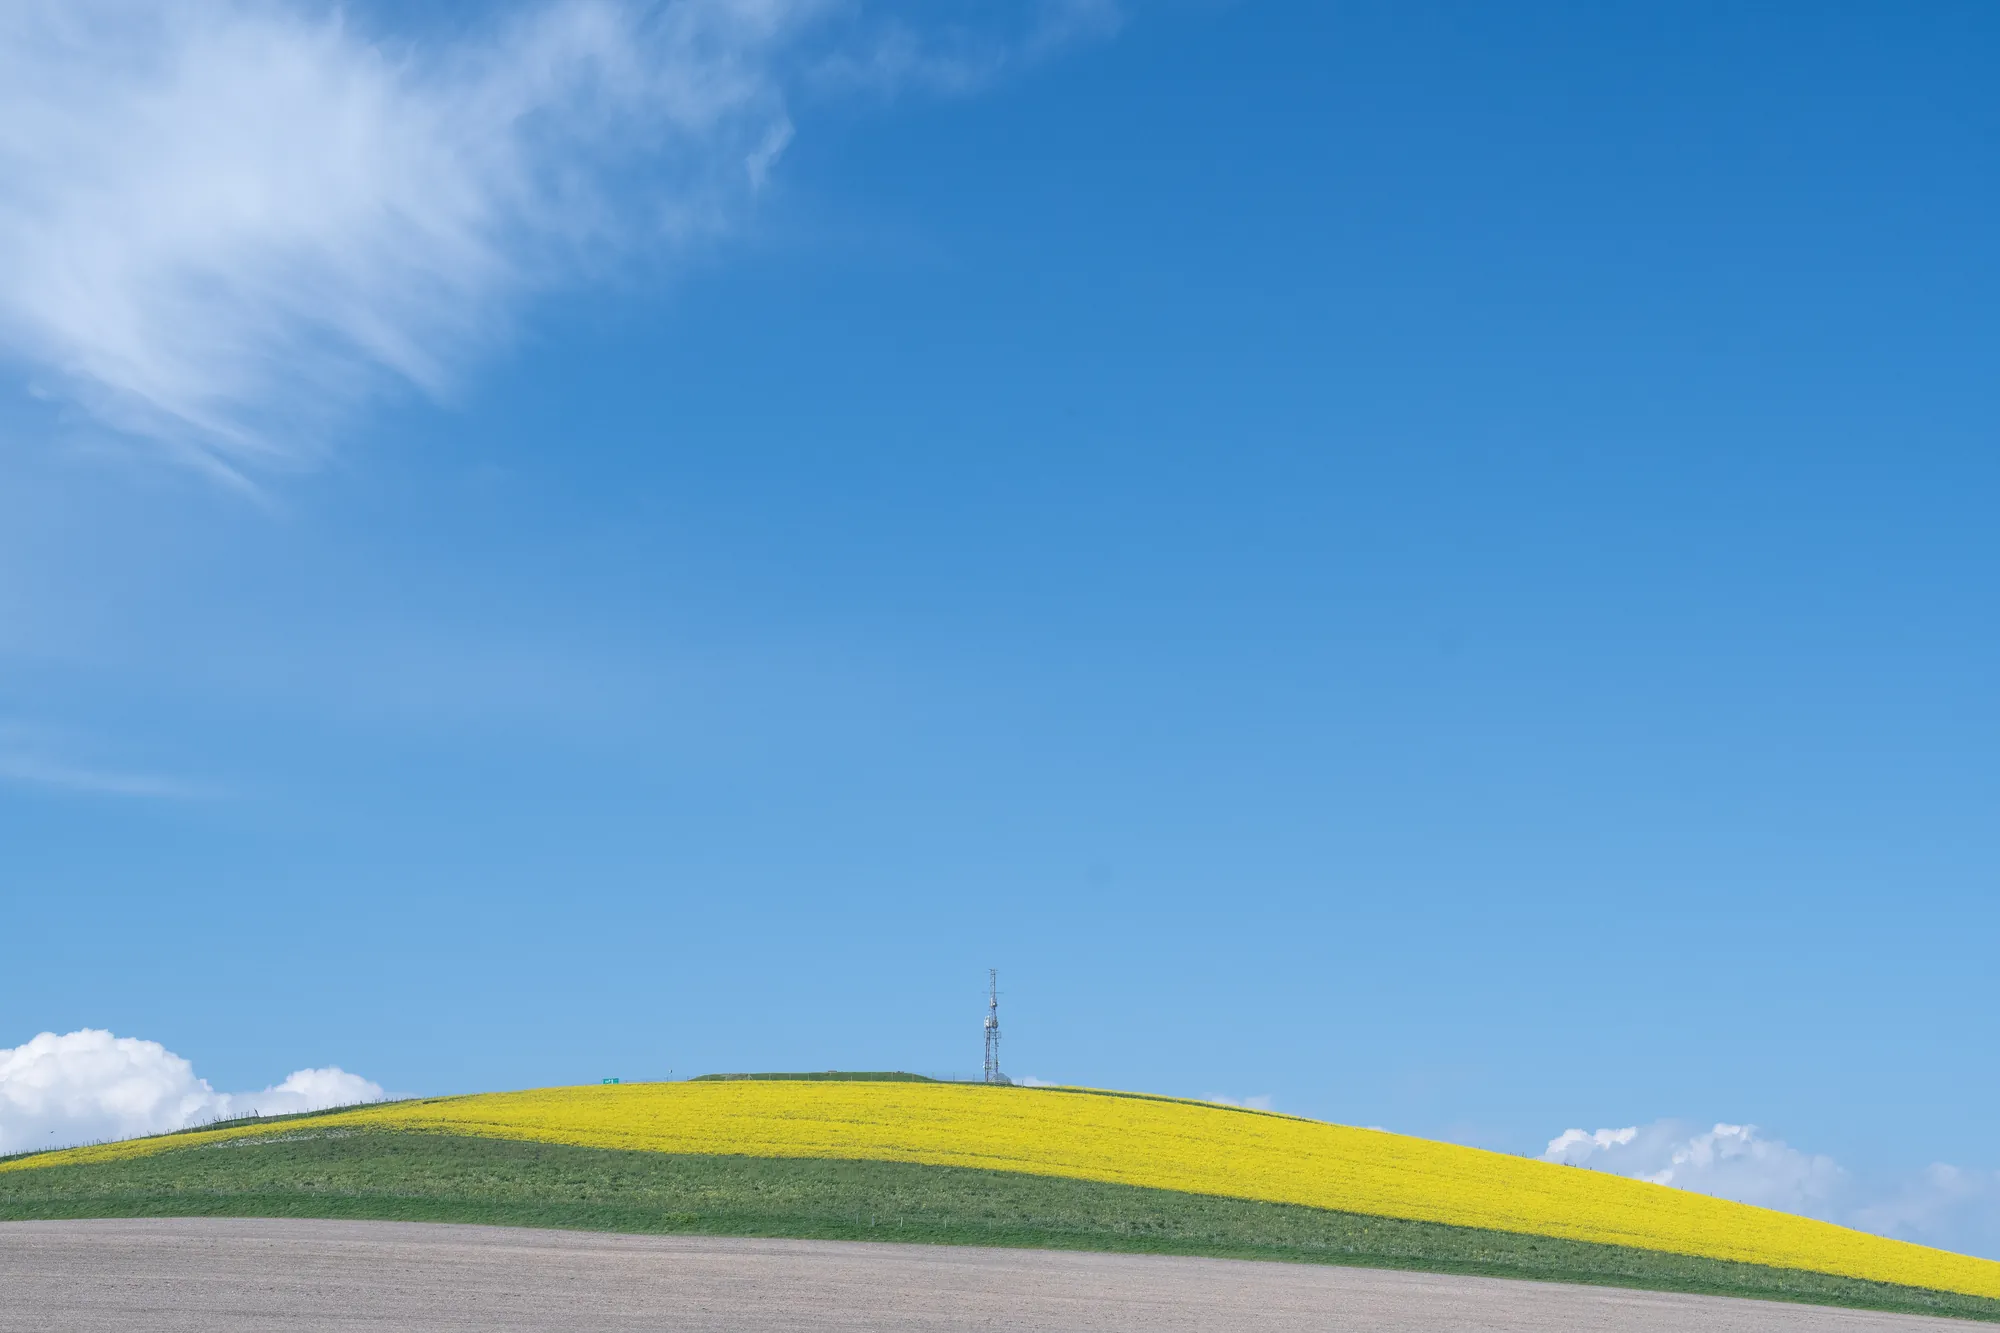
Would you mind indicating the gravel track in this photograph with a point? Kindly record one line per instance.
(294, 1276)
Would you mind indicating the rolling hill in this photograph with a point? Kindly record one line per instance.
(893, 1159)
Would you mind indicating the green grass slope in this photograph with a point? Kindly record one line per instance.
(308, 1172)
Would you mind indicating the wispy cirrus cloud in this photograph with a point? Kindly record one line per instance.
(31, 759)
(964, 57)
(218, 222)
(222, 225)
(30, 770)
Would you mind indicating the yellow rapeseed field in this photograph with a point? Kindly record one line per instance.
(1158, 1142)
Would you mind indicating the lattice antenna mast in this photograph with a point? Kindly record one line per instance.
(993, 1074)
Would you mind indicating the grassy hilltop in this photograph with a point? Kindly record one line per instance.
(888, 1159)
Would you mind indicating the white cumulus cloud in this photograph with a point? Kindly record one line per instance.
(1941, 1205)
(89, 1085)
(1733, 1161)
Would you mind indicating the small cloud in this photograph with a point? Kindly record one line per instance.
(308, 1090)
(30, 770)
(89, 1085)
(1258, 1103)
(1064, 23)
(887, 56)
(1573, 1147)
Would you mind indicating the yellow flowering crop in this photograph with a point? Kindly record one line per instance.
(1157, 1142)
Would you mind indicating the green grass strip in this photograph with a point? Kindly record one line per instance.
(830, 1076)
(335, 1173)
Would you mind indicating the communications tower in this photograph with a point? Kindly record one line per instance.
(993, 1074)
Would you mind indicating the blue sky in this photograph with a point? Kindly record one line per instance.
(1427, 563)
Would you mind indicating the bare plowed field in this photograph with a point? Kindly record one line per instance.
(293, 1276)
